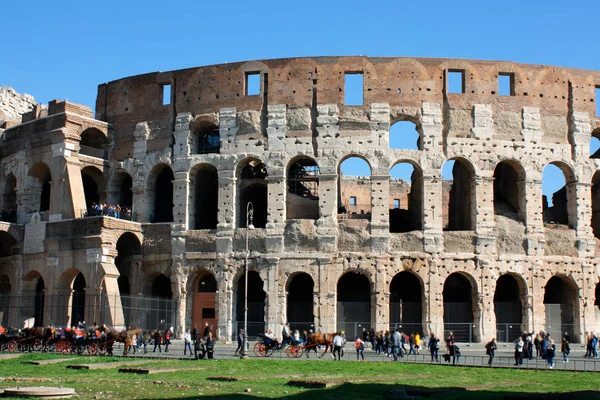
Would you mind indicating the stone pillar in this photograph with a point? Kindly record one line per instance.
(580, 131)
(380, 299)
(181, 134)
(432, 214)
(327, 302)
(141, 208)
(224, 300)
(67, 197)
(227, 129)
(436, 300)
(380, 115)
(486, 326)
(273, 314)
(380, 213)
(588, 297)
(227, 211)
(484, 216)
(581, 212)
(327, 222)
(103, 272)
(433, 127)
(538, 309)
(181, 190)
(178, 287)
(276, 212)
(276, 126)
(483, 123)
(534, 217)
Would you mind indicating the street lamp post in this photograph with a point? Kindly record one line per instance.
(249, 218)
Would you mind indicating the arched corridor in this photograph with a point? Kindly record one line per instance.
(256, 304)
(161, 315)
(39, 181)
(459, 304)
(302, 197)
(205, 301)
(458, 202)
(561, 304)
(406, 198)
(160, 192)
(406, 307)
(353, 303)
(204, 193)
(300, 302)
(252, 187)
(508, 307)
(78, 300)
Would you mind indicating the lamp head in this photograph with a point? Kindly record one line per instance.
(250, 226)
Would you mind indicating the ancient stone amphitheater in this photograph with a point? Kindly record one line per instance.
(192, 157)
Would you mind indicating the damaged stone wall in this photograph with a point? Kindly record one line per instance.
(13, 105)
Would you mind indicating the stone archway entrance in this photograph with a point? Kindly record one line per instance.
(204, 303)
(353, 303)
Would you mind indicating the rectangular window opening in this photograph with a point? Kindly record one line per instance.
(252, 83)
(456, 81)
(353, 89)
(597, 100)
(166, 95)
(208, 313)
(396, 203)
(506, 84)
(352, 200)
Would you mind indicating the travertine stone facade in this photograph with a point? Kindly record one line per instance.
(299, 114)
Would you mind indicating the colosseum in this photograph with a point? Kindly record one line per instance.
(148, 211)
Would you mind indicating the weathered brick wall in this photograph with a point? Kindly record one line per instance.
(13, 105)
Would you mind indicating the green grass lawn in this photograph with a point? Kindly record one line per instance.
(268, 378)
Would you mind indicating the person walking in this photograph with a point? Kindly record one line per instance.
(337, 343)
(550, 354)
(396, 343)
(168, 333)
(454, 352)
(157, 341)
(519, 351)
(565, 349)
(490, 350)
(417, 342)
(187, 341)
(240, 340)
(199, 348)
(210, 346)
(433, 346)
(360, 349)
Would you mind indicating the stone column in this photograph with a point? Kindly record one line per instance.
(534, 217)
(181, 134)
(67, 197)
(141, 208)
(484, 216)
(588, 297)
(432, 214)
(227, 211)
(380, 213)
(580, 130)
(486, 326)
(224, 300)
(581, 212)
(181, 189)
(178, 287)
(327, 222)
(538, 309)
(327, 289)
(380, 299)
(273, 314)
(436, 299)
(276, 212)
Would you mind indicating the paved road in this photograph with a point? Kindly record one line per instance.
(472, 355)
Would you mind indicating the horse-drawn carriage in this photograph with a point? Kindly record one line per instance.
(317, 342)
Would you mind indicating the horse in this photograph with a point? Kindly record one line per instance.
(320, 339)
(124, 336)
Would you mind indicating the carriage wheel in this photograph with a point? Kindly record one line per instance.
(102, 349)
(37, 345)
(259, 349)
(268, 351)
(293, 351)
(92, 349)
(59, 347)
(12, 346)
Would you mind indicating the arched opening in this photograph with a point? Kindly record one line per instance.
(256, 304)
(557, 196)
(253, 188)
(509, 200)
(595, 144)
(596, 204)
(458, 194)
(33, 298)
(354, 189)
(405, 134)
(406, 303)
(161, 193)
(161, 314)
(204, 202)
(8, 245)
(121, 190)
(208, 138)
(353, 303)
(78, 300)
(205, 300)
(40, 179)
(5, 291)
(458, 307)
(93, 143)
(406, 198)
(9, 200)
(508, 307)
(560, 301)
(300, 302)
(302, 201)
(93, 187)
(129, 250)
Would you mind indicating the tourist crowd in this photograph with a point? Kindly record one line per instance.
(109, 210)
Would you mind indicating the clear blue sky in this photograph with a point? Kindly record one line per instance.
(64, 49)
